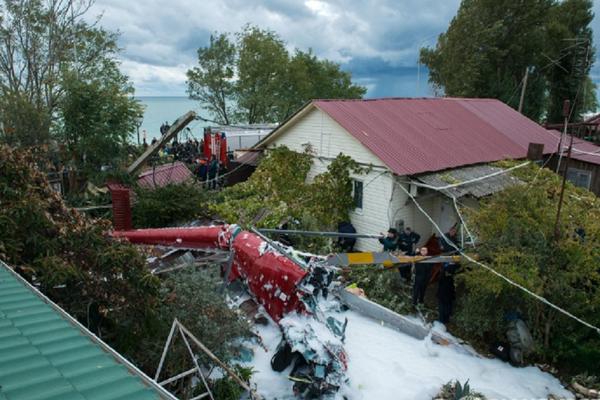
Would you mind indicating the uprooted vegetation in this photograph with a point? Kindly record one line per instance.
(278, 191)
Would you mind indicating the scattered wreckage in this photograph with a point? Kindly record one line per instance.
(285, 285)
(295, 289)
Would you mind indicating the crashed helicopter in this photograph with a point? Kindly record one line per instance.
(285, 285)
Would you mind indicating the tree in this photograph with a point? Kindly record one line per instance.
(211, 82)
(570, 43)
(260, 81)
(310, 78)
(96, 118)
(490, 44)
(53, 65)
(261, 67)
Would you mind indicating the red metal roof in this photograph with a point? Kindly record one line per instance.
(413, 136)
(163, 175)
(582, 149)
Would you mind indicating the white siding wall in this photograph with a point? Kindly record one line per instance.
(326, 137)
(327, 140)
(383, 202)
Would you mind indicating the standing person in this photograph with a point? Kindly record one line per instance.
(446, 292)
(213, 169)
(422, 276)
(407, 241)
(202, 170)
(389, 241)
(346, 244)
(448, 246)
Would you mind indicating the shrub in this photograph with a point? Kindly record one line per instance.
(169, 205)
(516, 231)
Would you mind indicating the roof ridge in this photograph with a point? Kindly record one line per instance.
(399, 98)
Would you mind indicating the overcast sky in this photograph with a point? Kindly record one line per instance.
(376, 40)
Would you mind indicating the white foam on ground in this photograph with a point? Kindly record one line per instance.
(386, 364)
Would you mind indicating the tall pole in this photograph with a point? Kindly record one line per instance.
(566, 107)
(523, 89)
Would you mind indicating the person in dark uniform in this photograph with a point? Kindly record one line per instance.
(389, 241)
(422, 276)
(213, 170)
(446, 293)
(346, 244)
(407, 241)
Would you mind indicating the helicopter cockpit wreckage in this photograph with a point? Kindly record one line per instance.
(287, 286)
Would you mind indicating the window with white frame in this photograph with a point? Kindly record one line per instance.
(579, 177)
(357, 193)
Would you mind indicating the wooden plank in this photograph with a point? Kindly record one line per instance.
(153, 149)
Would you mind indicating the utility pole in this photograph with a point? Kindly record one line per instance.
(566, 106)
(523, 89)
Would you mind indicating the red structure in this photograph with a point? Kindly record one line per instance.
(271, 277)
(215, 144)
(121, 206)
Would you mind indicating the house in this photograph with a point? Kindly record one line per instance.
(46, 354)
(411, 144)
(584, 166)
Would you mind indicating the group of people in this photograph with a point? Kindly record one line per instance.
(208, 171)
(406, 242)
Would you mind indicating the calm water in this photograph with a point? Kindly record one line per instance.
(161, 109)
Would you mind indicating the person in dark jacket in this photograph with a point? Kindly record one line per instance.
(202, 170)
(448, 246)
(213, 169)
(446, 293)
(389, 241)
(407, 241)
(346, 244)
(422, 276)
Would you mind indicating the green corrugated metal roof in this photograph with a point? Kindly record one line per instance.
(45, 355)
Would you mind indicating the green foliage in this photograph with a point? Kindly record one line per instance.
(489, 45)
(278, 191)
(228, 389)
(169, 205)
(71, 257)
(191, 296)
(384, 287)
(516, 231)
(46, 45)
(456, 391)
(256, 80)
(96, 119)
(261, 68)
(211, 82)
(570, 41)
